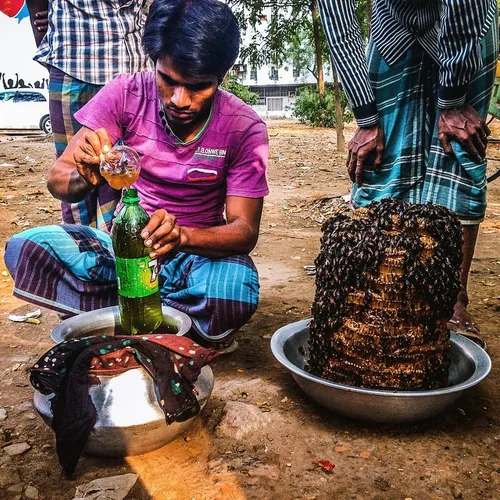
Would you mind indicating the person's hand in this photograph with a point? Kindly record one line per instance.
(162, 233)
(465, 126)
(87, 154)
(365, 143)
(41, 21)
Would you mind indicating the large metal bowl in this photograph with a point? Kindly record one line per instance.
(130, 421)
(469, 365)
(106, 321)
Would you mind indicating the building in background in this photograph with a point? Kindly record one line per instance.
(277, 86)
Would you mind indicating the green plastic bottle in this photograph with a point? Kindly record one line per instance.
(137, 273)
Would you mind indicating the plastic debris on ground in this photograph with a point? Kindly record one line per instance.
(30, 317)
(106, 488)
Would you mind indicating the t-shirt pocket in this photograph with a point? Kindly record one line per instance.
(201, 174)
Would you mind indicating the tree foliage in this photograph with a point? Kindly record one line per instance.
(288, 19)
(231, 84)
(281, 32)
(283, 18)
(319, 111)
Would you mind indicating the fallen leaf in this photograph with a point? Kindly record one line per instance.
(325, 465)
(264, 406)
(33, 321)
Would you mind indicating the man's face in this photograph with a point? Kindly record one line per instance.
(185, 100)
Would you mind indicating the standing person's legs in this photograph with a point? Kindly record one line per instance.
(459, 183)
(401, 91)
(66, 96)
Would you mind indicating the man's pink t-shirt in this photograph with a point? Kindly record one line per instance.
(189, 180)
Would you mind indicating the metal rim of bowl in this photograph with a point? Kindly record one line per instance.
(278, 341)
(111, 314)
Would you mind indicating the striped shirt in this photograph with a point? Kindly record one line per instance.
(449, 31)
(95, 40)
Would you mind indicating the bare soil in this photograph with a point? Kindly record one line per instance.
(456, 455)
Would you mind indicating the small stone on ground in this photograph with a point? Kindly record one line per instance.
(16, 449)
(241, 419)
(31, 493)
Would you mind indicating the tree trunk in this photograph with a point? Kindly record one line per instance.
(369, 7)
(339, 119)
(317, 47)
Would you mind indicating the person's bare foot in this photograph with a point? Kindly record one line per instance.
(463, 323)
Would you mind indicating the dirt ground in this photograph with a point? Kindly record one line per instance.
(456, 455)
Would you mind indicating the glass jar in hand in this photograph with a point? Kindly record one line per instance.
(120, 166)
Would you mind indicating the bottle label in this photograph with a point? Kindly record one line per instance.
(137, 277)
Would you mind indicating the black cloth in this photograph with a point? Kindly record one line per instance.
(173, 362)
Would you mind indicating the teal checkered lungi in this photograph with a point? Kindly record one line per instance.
(414, 166)
(71, 269)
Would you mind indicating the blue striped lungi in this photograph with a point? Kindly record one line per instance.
(414, 166)
(66, 96)
(71, 269)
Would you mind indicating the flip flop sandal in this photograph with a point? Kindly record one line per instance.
(475, 338)
(226, 348)
(467, 331)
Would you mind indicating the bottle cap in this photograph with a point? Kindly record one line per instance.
(130, 196)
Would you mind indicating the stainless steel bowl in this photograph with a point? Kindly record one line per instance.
(130, 421)
(469, 365)
(106, 321)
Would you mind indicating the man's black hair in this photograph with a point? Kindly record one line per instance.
(201, 37)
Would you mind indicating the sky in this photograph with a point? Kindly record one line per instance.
(18, 49)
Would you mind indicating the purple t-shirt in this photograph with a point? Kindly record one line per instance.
(190, 180)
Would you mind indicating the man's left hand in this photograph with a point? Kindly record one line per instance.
(162, 233)
(465, 126)
(41, 21)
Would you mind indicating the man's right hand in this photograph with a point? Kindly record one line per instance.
(87, 154)
(366, 142)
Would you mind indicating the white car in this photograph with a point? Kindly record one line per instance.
(25, 109)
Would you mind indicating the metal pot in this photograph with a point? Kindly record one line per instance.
(130, 421)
